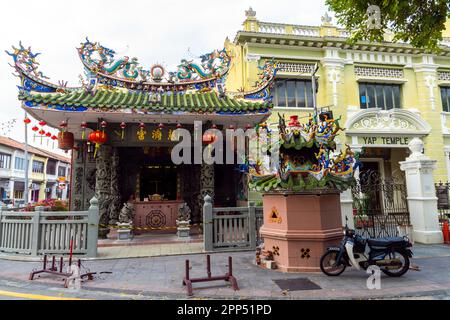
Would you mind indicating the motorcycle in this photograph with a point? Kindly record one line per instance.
(390, 254)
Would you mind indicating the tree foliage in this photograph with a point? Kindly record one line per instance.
(418, 22)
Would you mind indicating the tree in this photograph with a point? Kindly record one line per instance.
(418, 22)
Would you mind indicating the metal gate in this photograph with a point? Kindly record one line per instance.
(380, 206)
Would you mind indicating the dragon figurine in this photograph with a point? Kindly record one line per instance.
(25, 60)
(307, 158)
(103, 60)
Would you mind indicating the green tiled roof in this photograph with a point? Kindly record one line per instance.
(190, 102)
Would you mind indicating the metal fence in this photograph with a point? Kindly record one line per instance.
(232, 228)
(380, 206)
(443, 195)
(42, 232)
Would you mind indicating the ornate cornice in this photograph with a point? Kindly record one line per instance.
(396, 121)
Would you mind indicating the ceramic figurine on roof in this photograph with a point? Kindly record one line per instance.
(264, 85)
(25, 60)
(308, 158)
(103, 61)
(106, 71)
(121, 85)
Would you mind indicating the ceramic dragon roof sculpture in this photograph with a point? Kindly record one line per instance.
(307, 157)
(106, 71)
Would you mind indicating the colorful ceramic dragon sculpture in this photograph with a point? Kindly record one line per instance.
(102, 60)
(25, 59)
(307, 158)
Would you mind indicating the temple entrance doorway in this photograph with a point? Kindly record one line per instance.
(380, 203)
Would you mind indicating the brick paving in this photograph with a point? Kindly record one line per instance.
(162, 276)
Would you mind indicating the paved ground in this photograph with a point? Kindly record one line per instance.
(161, 277)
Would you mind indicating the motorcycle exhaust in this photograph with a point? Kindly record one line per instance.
(390, 263)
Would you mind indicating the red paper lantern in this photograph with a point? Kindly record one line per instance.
(208, 137)
(42, 123)
(98, 137)
(63, 125)
(41, 132)
(35, 128)
(48, 134)
(122, 126)
(54, 137)
(26, 120)
(83, 130)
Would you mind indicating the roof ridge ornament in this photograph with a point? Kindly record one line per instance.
(326, 19)
(250, 13)
(105, 64)
(25, 61)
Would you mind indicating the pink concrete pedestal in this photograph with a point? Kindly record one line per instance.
(299, 226)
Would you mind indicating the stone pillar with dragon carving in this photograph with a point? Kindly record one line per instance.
(114, 207)
(103, 187)
(206, 187)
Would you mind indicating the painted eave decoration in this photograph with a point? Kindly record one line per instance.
(121, 84)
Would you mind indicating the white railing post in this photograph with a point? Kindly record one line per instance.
(207, 224)
(252, 224)
(36, 235)
(92, 229)
(347, 208)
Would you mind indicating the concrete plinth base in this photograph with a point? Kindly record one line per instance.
(428, 237)
(298, 227)
(183, 232)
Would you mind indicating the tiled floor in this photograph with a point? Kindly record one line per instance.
(150, 250)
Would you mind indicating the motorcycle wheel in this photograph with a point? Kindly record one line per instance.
(401, 271)
(326, 264)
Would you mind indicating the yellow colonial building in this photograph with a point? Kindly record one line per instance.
(386, 93)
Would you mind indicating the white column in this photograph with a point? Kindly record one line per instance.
(422, 200)
(11, 188)
(54, 188)
(347, 208)
(64, 193)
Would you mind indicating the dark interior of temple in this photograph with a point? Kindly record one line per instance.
(150, 170)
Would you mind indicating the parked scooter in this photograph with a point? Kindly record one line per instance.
(390, 254)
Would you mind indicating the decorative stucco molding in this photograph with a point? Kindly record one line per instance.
(395, 121)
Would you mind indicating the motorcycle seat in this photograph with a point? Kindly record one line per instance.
(385, 241)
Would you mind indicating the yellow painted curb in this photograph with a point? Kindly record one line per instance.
(33, 296)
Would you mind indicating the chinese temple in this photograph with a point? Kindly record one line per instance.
(118, 124)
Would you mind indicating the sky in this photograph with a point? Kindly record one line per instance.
(153, 31)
